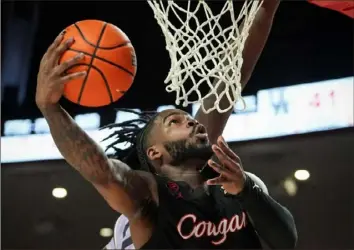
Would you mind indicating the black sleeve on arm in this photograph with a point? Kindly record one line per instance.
(273, 222)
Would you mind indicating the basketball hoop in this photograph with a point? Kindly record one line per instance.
(202, 51)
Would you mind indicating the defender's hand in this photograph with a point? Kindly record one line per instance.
(232, 177)
(51, 76)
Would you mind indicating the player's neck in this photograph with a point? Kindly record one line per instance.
(188, 174)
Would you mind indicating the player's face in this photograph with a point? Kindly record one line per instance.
(181, 138)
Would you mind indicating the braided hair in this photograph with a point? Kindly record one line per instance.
(134, 132)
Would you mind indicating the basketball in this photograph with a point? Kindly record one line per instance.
(109, 61)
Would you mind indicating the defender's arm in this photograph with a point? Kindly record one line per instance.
(214, 121)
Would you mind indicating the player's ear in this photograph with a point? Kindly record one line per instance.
(153, 153)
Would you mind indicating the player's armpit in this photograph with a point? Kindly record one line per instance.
(129, 191)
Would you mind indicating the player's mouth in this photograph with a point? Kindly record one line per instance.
(202, 138)
(200, 134)
(199, 129)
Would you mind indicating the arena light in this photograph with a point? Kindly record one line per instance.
(302, 175)
(59, 192)
(290, 187)
(106, 232)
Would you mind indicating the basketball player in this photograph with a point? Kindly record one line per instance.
(121, 234)
(162, 182)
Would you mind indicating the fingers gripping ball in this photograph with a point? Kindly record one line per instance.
(109, 60)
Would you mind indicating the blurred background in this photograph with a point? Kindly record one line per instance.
(296, 132)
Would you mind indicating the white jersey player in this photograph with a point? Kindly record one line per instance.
(121, 236)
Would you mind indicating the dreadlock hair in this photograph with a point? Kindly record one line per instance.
(133, 132)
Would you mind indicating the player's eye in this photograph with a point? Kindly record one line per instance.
(172, 121)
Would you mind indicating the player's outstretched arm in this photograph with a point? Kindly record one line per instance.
(123, 188)
(214, 121)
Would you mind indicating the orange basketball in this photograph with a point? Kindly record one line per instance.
(109, 61)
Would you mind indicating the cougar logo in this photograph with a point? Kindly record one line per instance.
(174, 189)
(208, 228)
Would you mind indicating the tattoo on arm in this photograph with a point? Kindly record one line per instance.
(79, 150)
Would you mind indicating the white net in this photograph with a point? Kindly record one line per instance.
(205, 50)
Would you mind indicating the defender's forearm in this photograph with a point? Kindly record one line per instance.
(257, 38)
(78, 149)
(214, 121)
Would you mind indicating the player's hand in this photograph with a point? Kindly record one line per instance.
(51, 76)
(232, 177)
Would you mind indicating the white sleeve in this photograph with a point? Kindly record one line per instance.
(121, 235)
(110, 245)
(258, 182)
